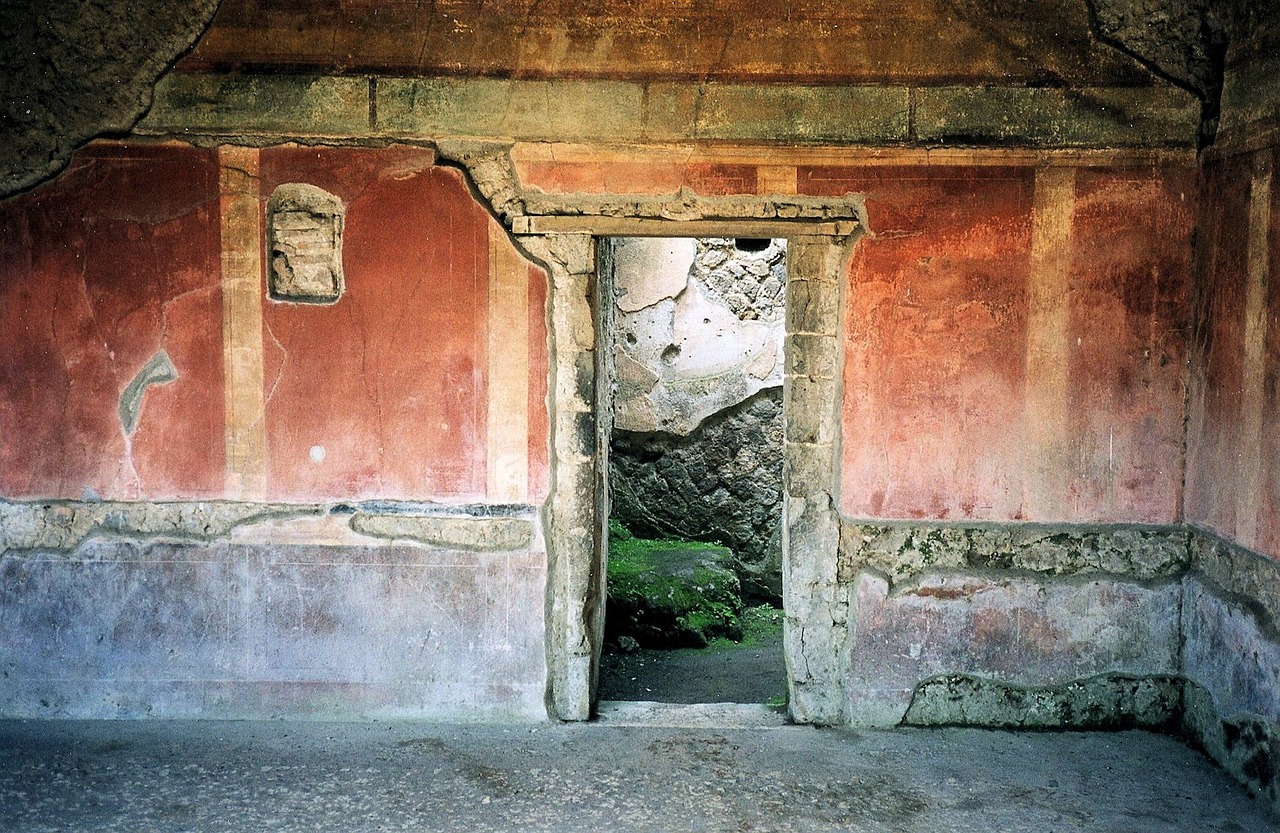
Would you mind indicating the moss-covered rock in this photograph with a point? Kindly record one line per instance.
(672, 594)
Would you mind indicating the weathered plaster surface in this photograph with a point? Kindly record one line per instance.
(1233, 481)
(385, 392)
(681, 355)
(1020, 631)
(242, 630)
(1231, 660)
(1231, 650)
(489, 535)
(903, 550)
(259, 610)
(414, 309)
(1108, 701)
(103, 270)
(973, 320)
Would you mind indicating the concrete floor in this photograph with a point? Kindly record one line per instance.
(217, 776)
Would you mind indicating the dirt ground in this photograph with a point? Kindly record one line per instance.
(725, 673)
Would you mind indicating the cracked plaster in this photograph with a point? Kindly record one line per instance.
(65, 527)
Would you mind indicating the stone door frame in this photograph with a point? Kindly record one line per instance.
(575, 516)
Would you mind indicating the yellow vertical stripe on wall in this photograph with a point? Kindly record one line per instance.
(508, 371)
(242, 322)
(776, 179)
(1045, 418)
(1249, 486)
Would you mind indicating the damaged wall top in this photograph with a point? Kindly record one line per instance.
(72, 70)
(918, 41)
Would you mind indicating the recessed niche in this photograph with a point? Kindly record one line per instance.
(304, 239)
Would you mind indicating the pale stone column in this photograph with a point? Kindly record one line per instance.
(817, 603)
(1253, 395)
(241, 227)
(574, 521)
(1046, 470)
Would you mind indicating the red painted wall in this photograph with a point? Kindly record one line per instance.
(389, 381)
(1130, 321)
(936, 337)
(121, 257)
(114, 261)
(1220, 438)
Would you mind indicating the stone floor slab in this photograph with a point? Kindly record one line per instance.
(254, 776)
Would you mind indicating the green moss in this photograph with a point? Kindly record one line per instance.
(760, 624)
(671, 592)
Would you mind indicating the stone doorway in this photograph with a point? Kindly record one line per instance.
(693, 335)
(564, 239)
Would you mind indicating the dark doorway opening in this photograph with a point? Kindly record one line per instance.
(694, 565)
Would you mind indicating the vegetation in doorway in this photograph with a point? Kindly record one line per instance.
(671, 593)
(736, 658)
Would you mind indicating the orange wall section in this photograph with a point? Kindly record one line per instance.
(943, 396)
(1130, 320)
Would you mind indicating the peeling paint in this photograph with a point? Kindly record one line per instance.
(1107, 701)
(905, 549)
(158, 370)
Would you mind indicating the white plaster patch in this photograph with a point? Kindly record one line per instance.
(681, 354)
(650, 269)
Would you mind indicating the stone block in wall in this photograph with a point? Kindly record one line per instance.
(304, 244)
(1015, 630)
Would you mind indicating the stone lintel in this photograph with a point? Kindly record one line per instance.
(362, 107)
(647, 227)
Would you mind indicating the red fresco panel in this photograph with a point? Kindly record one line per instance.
(1214, 430)
(936, 316)
(115, 260)
(389, 381)
(1130, 312)
(611, 177)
